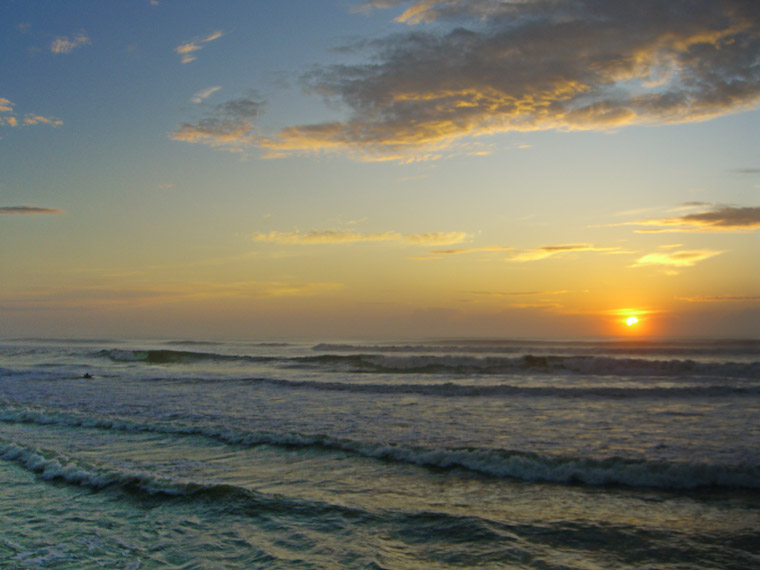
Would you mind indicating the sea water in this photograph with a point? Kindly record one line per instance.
(400, 455)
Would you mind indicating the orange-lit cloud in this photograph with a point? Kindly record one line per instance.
(350, 236)
(553, 250)
(723, 298)
(9, 118)
(721, 219)
(488, 68)
(676, 258)
(188, 49)
(29, 210)
(64, 44)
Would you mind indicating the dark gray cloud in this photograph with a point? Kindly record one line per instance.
(474, 67)
(29, 210)
(227, 125)
(719, 219)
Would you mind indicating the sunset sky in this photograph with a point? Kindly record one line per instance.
(344, 168)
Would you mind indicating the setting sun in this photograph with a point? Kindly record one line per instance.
(630, 321)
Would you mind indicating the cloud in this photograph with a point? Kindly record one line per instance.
(27, 210)
(203, 94)
(490, 66)
(722, 298)
(516, 293)
(140, 296)
(64, 44)
(719, 219)
(489, 248)
(349, 236)
(187, 50)
(676, 258)
(10, 119)
(553, 250)
(228, 125)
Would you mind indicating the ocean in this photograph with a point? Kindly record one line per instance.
(440, 454)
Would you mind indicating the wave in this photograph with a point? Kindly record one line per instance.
(161, 356)
(458, 364)
(53, 466)
(739, 347)
(503, 464)
(452, 390)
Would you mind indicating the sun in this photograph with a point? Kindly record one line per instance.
(630, 321)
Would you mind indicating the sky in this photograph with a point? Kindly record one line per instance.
(379, 169)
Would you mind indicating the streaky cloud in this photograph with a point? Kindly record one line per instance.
(555, 250)
(684, 258)
(722, 299)
(139, 296)
(316, 237)
(478, 67)
(517, 293)
(720, 219)
(204, 94)
(486, 249)
(29, 210)
(187, 49)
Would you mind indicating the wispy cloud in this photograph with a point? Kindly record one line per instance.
(228, 126)
(517, 293)
(105, 296)
(66, 44)
(722, 299)
(187, 50)
(460, 251)
(315, 237)
(29, 210)
(719, 219)
(9, 119)
(204, 94)
(554, 250)
(685, 258)
(489, 66)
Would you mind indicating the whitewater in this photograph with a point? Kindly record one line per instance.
(455, 453)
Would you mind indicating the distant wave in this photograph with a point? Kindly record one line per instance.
(192, 343)
(176, 356)
(460, 364)
(695, 348)
(511, 464)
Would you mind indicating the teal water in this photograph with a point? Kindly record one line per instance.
(445, 455)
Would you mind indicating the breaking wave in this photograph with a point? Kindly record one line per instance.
(458, 364)
(507, 464)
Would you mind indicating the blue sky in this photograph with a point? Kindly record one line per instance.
(458, 167)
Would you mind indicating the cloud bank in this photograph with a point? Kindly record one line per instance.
(476, 67)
